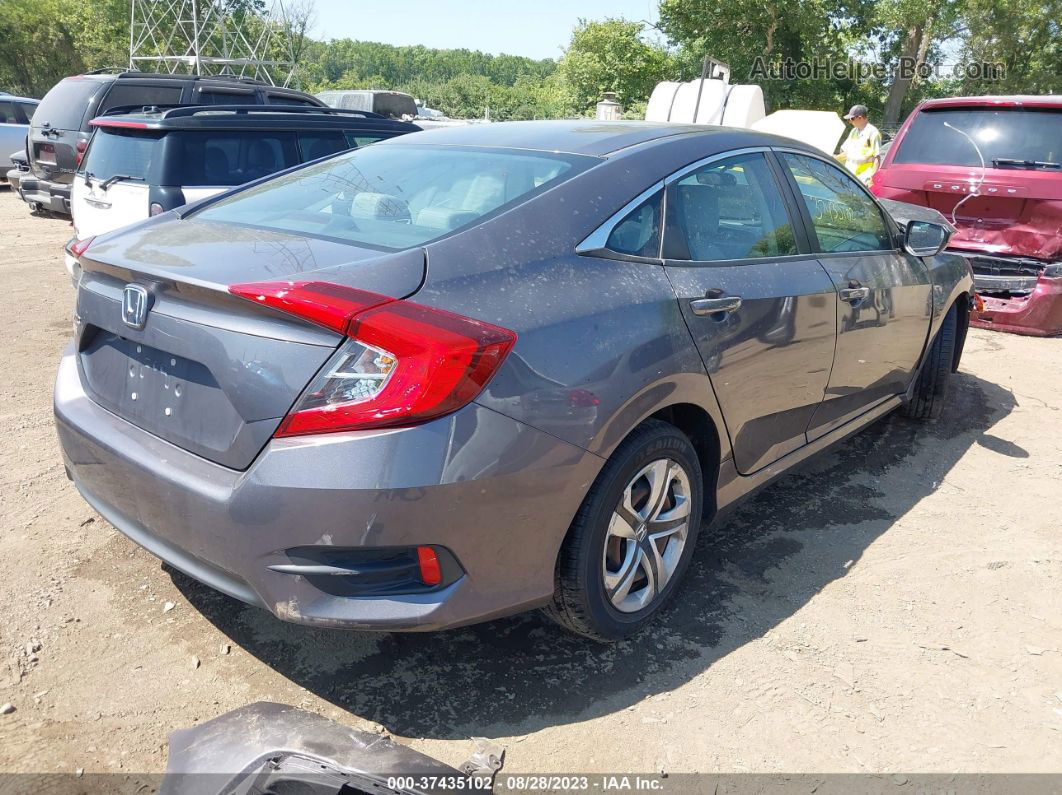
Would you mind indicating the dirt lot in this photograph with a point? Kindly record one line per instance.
(895, 606)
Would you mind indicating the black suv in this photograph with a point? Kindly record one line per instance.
(60, 128)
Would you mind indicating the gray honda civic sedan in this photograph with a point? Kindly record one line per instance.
(472, 371)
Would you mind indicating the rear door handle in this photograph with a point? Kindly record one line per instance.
(854, 294)
(710, 306)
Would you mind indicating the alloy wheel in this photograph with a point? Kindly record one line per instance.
(646, 535)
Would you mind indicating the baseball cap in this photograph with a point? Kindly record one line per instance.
(857, 110)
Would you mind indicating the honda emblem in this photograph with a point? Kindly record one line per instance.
(136, 301)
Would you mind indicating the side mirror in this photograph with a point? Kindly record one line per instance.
(924, 238)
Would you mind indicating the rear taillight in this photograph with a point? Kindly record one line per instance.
(323, 304)
(80, 151)
(403, 363)
(79, 247)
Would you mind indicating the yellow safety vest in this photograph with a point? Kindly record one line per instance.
(862, 149)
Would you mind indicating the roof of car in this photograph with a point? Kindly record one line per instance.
(17, 98)
(1017, 100)
(115, 74)
(580, 137)
(198, 117)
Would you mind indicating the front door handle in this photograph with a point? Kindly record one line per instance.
(710, 306)
(854, 294)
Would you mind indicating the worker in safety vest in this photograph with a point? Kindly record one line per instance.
(861, 150)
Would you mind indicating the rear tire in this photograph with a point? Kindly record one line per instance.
(628, 536)
(931, 389)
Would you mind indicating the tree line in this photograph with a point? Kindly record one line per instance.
(940, 45)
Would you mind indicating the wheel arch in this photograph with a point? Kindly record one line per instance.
(702, 432)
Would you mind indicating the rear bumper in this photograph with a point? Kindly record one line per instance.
(52, 196)
(14, 177)
(498, 494)
(1037, 314)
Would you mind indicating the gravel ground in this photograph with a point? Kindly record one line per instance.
(896, 605)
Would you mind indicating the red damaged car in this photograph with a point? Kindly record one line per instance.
(992, 166)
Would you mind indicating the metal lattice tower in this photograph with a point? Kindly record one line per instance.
(209, 37)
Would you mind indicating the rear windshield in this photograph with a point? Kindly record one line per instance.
(64, 106)
(1006, 138)
(396, 196)
(394, 106)
(347, 100)
(222, 158)
(120, 153)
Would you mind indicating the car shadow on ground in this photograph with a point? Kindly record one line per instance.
(516, 675)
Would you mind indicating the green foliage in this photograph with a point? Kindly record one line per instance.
(42, 41)
(612, 55)
(464, 84)
(1024, 36)
(740, 31)
(335, 62)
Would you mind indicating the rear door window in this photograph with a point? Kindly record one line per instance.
(728, 210)
(121, 153)
(8, 113)
(321, 144)
(28, 109)
(287, 99)
(224, 96)
(64, 107)
(124, 94)
(222, 158)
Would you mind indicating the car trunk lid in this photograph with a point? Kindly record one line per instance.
(208, 371)
(1008, 214)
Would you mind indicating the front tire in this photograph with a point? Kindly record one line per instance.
(631, 542)
(931, 389)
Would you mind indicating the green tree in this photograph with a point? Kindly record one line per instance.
(748, 33)
(612, 55)
(42, 41)
(911, 32)
(1022, 35)
(461, 83)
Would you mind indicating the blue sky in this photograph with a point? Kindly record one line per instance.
(537, 29)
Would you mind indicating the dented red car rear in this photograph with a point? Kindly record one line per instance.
(993, 166)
